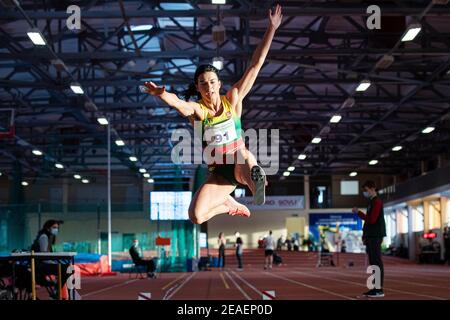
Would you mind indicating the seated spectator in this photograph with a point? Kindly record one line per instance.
(44, 242)
(430, 252)
(138, 261)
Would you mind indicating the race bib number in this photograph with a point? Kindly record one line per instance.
(221, 133)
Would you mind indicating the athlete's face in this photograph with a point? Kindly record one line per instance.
(208, 85)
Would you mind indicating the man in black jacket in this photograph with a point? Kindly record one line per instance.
(447, 244)
(374, 231)
(138, 261)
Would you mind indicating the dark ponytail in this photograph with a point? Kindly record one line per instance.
(191, 91)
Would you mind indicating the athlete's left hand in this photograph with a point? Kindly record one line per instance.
(275, 17)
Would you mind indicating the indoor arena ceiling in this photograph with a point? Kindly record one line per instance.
(319, 56)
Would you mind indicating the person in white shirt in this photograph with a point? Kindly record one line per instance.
(269, 245)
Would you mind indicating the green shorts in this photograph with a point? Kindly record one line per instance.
(226, 171)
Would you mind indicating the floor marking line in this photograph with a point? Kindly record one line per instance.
(311, 287)
(247, 283)
(180, 286)
(436, 272)
(109, 288)
(175, 280)
(387, 289)
(224, 281)
(238, 287)
(417, 283)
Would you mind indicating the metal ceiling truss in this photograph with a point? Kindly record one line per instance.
(319, 55)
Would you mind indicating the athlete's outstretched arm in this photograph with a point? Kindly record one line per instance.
(240, 89)
(185, 108)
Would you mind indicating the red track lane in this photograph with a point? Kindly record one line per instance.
(297, 279)
(393, 290)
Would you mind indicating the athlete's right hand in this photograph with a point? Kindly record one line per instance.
(153, 89)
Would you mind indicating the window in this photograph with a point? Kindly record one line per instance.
(418, 224)
(185, 65)
(320, 198)
(168, 22)
(203, 243)
(349, 187)
(447, 218)
(402, 220)
(434, 215)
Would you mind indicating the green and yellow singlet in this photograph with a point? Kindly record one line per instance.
(222, 132)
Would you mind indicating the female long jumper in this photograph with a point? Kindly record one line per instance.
(220, 118)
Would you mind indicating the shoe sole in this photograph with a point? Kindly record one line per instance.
(370, 296)
(259, 178)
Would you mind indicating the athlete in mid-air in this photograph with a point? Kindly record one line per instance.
(220, 118)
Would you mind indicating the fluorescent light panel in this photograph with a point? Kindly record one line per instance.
(37, 152)
(428, 130)
(363, 86)
(412, 31)
(336, 118)
(217, 62)
(76, 88)
(103, 121)
(120, 143)
(36, 37)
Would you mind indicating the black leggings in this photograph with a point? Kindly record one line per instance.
(239, 259)
(447, 251)
(222, 256)
(373, 250)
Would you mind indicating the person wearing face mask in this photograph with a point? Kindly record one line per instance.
(44, 242)
(138, 261)
(46, 237)
(374, 231)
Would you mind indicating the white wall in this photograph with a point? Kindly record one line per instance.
(258, 225)
(250, 229)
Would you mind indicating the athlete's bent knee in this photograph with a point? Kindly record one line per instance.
(196, 217)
